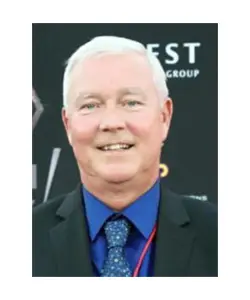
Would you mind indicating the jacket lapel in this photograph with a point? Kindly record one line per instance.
(174, 237)
(70, 239)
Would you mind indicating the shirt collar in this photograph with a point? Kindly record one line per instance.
(142, 212)
(96, 211)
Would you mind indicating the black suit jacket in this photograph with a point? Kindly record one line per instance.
(186, 239)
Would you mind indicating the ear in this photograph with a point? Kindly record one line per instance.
(66, 123)
(167, 112)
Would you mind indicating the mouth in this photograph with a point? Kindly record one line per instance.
(115, 147)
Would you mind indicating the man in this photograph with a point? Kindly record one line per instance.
(120, 221)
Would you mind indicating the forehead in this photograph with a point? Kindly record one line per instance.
(111, 72)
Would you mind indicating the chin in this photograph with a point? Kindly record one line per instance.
(117, 177)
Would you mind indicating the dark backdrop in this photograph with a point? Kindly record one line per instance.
(188, 53)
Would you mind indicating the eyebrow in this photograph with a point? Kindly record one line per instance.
(131, 91)
(87, 95)
(122, 92)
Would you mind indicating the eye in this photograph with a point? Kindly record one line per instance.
(132, 103)
(89, 106)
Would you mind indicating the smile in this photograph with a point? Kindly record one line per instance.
(115, 147)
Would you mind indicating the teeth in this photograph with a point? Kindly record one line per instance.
(115, 147)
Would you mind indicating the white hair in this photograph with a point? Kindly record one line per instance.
(115, 45)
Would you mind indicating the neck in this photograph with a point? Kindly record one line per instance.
(119, 195)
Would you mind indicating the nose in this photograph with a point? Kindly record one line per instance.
(112, 120)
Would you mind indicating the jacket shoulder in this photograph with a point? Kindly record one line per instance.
(44, 214)
(200, 211)
(202, 216)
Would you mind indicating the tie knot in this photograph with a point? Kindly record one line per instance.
(116, 232)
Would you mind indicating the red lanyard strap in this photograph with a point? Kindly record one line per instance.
(144, 251)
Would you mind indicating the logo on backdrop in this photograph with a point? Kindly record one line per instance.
(37, 111)
(171, 54)
(164, 170)
(198, 197)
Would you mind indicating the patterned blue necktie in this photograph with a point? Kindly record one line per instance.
(116, 265)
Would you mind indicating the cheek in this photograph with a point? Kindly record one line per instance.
(83, 128)
(146, 127)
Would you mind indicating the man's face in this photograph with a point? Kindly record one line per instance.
(114, 120)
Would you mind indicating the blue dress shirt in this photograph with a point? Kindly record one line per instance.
(142, 213)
